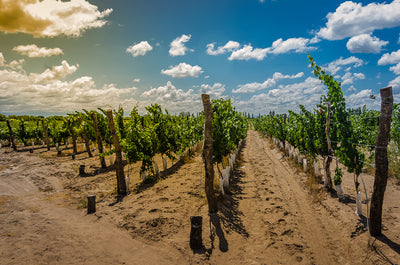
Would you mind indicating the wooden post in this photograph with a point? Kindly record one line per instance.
(99, 142)
(91, 206)
(119, 167)
(196, 241)
(85, 138)
(330, 151)
(381, 161)
(11, 135)
(71, 129)
(82, 170)
(207, 155)
(46, 135)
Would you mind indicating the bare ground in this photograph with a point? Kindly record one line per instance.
(272, 214)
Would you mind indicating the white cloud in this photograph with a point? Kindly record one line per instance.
(140, 48)
(176, 99)
(348, 78)
(2, 61)
(270, 82)
(395, 69)
(136, 80)
(228, 47)
(57, 72)
(33, 50)
(365, 43)
(183, 70)
(390, 58)
(285, 98)
(395, 83)
(351, 89)
(247, 53)
(49, 18)
(293, 44)
(46, 93)
(215, 91)
(362, 98)
(335, 66)
(352, 19)
(178, 47)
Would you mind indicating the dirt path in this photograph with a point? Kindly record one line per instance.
(266, 217)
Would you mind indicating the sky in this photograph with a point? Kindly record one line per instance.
(57, 57)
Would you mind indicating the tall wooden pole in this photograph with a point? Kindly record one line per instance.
(71, 130)
(381, 161)
(11, 135)
(85, 138)
(46, 135)
(330, 150)
(119, 167)
(99, 141)
(207, 155)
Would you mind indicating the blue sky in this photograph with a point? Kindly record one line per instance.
(60, 56)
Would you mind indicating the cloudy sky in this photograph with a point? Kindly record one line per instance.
(60, 56)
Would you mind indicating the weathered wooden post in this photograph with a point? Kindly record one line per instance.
(46, 135)
(196, 240)
(71, 130)
(85, 138)
(119, 167)
(99, 141)
(11, 135)
(328, 162)
(381, 161)
(82, 170)
(207, 155)
(91, 206)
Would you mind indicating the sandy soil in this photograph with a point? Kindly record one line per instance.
(271, 214)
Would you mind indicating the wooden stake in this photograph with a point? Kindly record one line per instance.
(119, 167)
(71, 129)
(330, 151)
(11, 135)
(46, 135)
(381, 161)
(99, 142)
(91, 206)
(207, 155)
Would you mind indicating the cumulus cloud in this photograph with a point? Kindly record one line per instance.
(178, 47)
(395, 69)
(395, 83)
(1, 59)
(49, 18)
(293, 44)
(57, 72)
(183, 70)
(215, 91)
(48, 93)
(362, 98)
(33, 50)
(140, 48)
(284, 98)
(390, 58)
(228, 47)
(336, 65)
(348, 78)
(352, 19)
(176, 99)
(247, 52)
(365, 43)
(270, 82)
